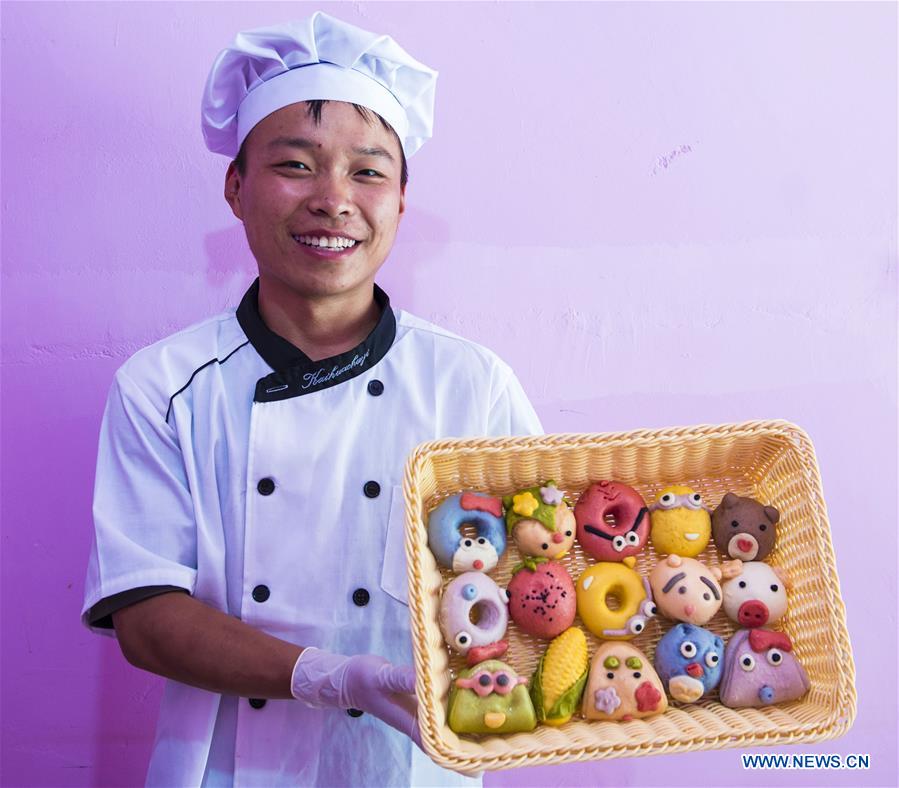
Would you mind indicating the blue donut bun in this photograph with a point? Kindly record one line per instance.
(444, 529)
(689, 661)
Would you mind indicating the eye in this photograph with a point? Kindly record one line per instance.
(484, 680)
(774, 656)
(293, 165)
(468, 542)
(544, 546)
(568, 533)
(688, 649)
(482, 540)
(763, 527)
(667, 499)
(742, 584)
(747, 662)
(502, 680)
(711, 659)
(734, 524)
(696, 499)
(462, 639)
(706, 596)
(618, 543)
(469, 592)
(648, 608)
(636, 625)
(370, 173)
(632, 539)
(682, 590)
(508, 594)
(774, 588)
(610, 675)
(637, 675)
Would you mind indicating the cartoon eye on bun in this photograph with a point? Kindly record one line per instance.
(760, 669)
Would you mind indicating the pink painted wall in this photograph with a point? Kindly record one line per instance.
(659, 214)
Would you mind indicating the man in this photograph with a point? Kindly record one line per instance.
(248, 508)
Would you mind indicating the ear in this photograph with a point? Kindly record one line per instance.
(784, 576)
(729, 500)
(402, 208)
(232, 190)
(772, 514)
(674, 560)
(730, 569)
(717, 573)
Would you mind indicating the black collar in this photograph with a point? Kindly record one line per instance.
(295, 373)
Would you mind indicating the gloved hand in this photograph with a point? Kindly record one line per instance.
(365, 682)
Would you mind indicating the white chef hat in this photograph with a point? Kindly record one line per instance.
(319, 57)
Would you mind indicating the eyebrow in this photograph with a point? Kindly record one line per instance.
(307, 144)
(374, 151)
(291, 142)
(711, 585)
(673, 582)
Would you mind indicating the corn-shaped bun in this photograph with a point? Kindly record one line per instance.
(558, 684)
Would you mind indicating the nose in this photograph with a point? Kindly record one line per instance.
(557, 537)
(689, 610)
(753, 613)
(478, 564)
(331, 197)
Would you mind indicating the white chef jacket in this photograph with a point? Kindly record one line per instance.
(268, 486)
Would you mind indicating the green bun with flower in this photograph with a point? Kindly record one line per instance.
(540, 521)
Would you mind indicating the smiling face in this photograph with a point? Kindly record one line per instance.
(304, 181)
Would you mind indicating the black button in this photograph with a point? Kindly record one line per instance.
(361, 597)
(257, 703)
(261, 593)
(375, 388)
(266, 486)
(355, 712)
(372, 489)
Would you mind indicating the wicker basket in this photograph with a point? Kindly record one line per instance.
(773, 461)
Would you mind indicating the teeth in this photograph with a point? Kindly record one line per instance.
(329, 243)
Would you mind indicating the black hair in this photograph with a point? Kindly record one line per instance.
(314, 108)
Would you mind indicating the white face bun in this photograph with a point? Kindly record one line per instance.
(756, 596)
(474, 554)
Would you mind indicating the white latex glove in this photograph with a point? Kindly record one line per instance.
(365, 682)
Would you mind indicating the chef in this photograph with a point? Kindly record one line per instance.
(248, 509)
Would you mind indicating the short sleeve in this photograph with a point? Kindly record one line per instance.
(144, 526)
(511, 412)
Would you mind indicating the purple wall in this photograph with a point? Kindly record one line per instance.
(659, 214)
